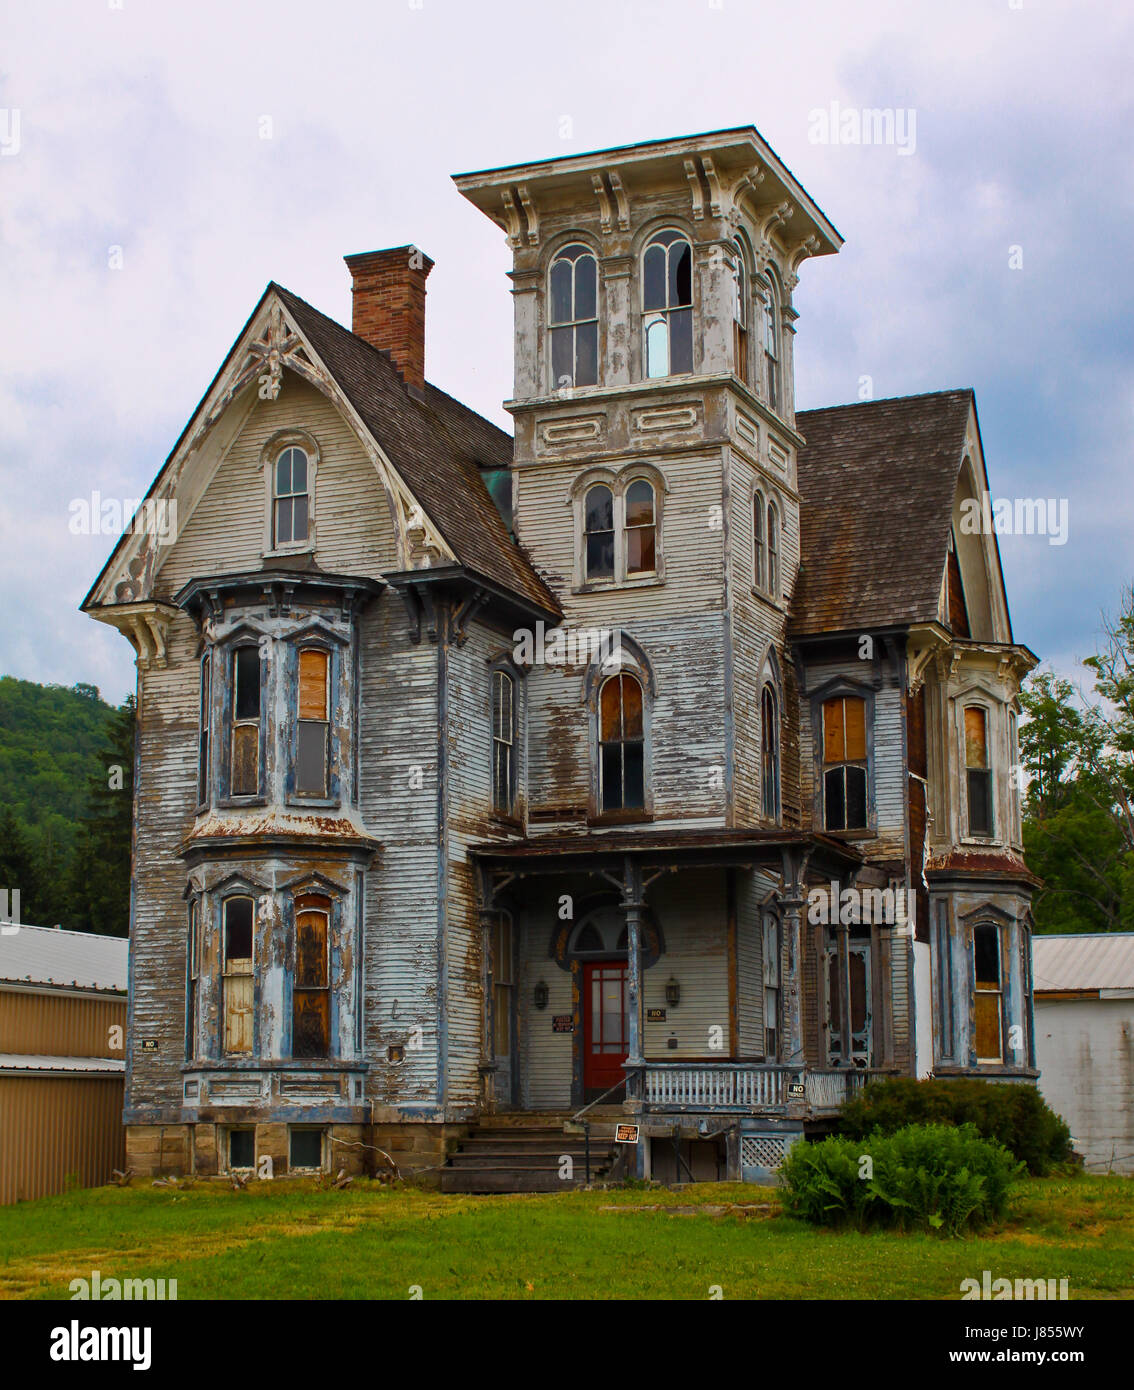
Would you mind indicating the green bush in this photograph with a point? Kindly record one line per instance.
(925, 1177)
(1012, 1113)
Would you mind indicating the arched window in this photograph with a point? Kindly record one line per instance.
(599, 524)
(667, 304)
(622, 784)
(311, 992)
(640, 528)
(503, 742)
(769, 754)
(759, 542)
(773, 550)
(844, 763)
(573, 318)
(237, 937)
(740, 313)
(772, 344)
(291, 498)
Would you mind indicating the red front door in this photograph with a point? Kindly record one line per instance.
(606, 1037)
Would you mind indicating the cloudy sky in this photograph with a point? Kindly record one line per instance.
(142, 211)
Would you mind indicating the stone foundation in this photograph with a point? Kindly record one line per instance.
(176, 1150)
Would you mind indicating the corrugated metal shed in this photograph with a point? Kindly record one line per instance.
(1102, 961)
(64, 959)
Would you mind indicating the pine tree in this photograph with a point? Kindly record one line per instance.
(100, 875)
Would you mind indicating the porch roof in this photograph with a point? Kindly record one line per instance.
(653, 848)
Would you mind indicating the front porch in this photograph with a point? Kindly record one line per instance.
(672, 975)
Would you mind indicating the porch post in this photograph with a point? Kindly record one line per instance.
(632, 906)
(791, 901)
(635, 1084)
(486, 916)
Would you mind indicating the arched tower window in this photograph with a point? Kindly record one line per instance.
(772, 345)
(759, 540)
(622, 785)
(640, 528)
(773, 550)
(769, 754)
(599, 525)
(667, 304)
(573, 317)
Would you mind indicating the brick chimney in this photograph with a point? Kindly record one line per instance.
(389, 306)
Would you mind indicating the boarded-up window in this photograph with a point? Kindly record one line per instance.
(238, 976)
(641, 528)
(989, 1000)
(313, 730)
(844, 763)
(621, 745)
(977, 770)
(599, 527)
(503, 742)
(311, 1012)
(246, 721)
(502, 985)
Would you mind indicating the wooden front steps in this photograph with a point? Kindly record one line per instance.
(527, 1153)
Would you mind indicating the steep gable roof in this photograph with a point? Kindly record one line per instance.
(435, 444)
(877, 481)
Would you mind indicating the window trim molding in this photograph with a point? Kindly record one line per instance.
(635, 663)
(642, 243)
(504, 665)
(237, 886)
(618, 481)
(769, 497)
(312, 886)
(977, 696)
(291, 437)
(314, 635)
(830, 690)
(243, 635)
(561, 243)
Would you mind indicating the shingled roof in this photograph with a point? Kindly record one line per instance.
(436, 445)
(877, 481)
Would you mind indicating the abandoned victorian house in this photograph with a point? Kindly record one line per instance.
(653, 765)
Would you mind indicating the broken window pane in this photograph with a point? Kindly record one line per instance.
(242, 1148)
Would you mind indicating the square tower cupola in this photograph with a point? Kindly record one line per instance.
(655, 263)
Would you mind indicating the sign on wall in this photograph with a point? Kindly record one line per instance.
(626, 1134)
(562, 1023)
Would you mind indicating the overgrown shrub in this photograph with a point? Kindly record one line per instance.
(1013, 1114)
(924, 1177)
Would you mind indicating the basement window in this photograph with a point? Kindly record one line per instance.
(305, 1150)
(241, 1148)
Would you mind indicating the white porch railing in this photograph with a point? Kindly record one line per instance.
(747, 1086)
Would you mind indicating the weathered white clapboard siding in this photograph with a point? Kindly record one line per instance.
(890, 777)
(750, 889)
(692, 545)
(166, 795)
(687, 764)
(757, 623)
(545, 1057)
(225, 532)
(690, 910)
(398, 745)
(469, 820)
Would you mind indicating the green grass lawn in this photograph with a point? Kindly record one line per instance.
(295, 1240)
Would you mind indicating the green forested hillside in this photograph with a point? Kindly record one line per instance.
(66, 768)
